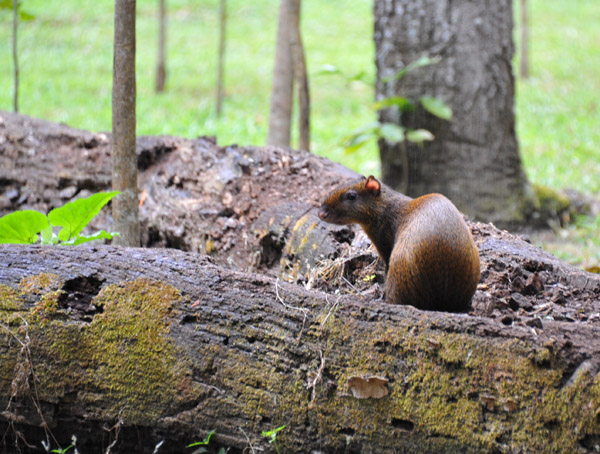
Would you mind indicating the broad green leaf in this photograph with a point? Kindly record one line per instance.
(272, 434)
(419, 135)
(100, 235)
(399, 101)
(23, 15)
(360, 76)
(22, 227)
(392, 133)
(423, 61)
(436, 107)
(74, 216)
(358, 140)
(367, 127)
(48, 236)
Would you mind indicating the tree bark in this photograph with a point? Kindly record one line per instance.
(160, 344)
(163, 345)
(221, 63)
(125, 205)
(524, 41)
(280, 115)
(161, 69)
(15, 54)
(474, 159)
(300, 75)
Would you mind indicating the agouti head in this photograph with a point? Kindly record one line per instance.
(356, 202)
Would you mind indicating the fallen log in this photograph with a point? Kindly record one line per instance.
(162, 345)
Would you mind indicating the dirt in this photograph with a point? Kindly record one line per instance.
(243, 206)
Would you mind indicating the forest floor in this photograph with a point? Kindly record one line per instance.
(254, 209)
(556, 107)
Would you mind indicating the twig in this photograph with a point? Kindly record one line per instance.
(353, 287)
(317, 379)
(117, 429)
(248, 440)
(20, 382)
(330, 310)
(301, 309)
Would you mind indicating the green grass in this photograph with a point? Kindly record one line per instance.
(66, 71)
(558, 107)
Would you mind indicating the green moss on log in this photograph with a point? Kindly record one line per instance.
(448, 392)
(39, 284)
(124, 358)
(456, 387)
(10, 301)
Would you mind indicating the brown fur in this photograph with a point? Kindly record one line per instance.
(429, 252)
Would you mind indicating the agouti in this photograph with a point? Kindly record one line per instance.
(431, 259)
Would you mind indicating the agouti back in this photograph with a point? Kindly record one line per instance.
(432, 261)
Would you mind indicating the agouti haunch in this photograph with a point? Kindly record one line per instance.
(431, 259)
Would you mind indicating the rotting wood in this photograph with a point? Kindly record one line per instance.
(242, 359)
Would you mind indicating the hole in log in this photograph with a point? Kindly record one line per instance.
(188, 318)
(473, 396)
(78, 294)
(403, 424)
(590, 442)
(552, 425)
(271, 249)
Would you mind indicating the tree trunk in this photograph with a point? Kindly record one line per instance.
(125, 205)
(474, 159)
(300, 75)
(163, 345)
(221, 64)
(524, 64)
(15, 54)
(280, 115)
(161, 70)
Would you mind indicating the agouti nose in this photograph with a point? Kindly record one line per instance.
(323, 213)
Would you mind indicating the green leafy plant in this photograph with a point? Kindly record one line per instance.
(25, 227)
(202, 443)
(23, 15)
(272, 435)
(330, 70)
(392, 132)
(62, 451)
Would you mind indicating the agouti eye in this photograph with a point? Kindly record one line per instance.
(351, 195)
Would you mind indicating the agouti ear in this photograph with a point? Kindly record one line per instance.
(372, 185)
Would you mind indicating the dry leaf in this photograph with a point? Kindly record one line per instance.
(509, 404)
(503, 375)
(142, 198)
(434, 343)
(488, 400)
(368, 387)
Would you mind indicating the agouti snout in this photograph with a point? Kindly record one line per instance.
(431, 258)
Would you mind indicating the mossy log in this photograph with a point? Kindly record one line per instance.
(129, 347)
